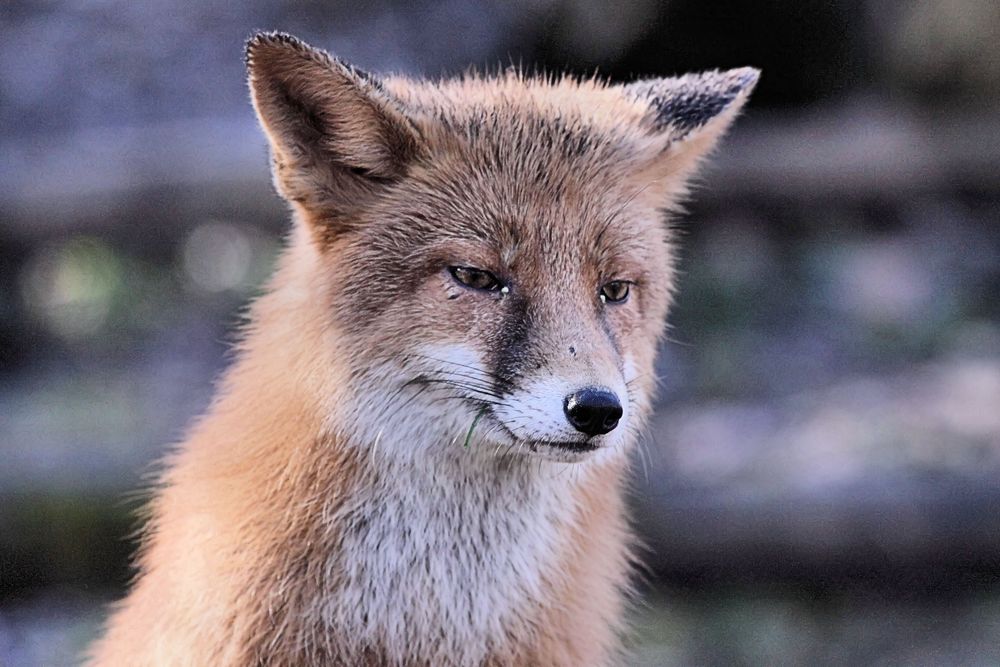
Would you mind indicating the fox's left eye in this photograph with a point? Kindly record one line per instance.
(475, 278)
(615, 291)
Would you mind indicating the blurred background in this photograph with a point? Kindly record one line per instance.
(821, 484)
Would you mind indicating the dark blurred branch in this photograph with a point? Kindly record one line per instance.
(100, 180)
(857, 152)
(214, 167)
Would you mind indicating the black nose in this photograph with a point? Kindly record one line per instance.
(593, 411)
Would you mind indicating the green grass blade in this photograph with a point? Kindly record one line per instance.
(468, 436)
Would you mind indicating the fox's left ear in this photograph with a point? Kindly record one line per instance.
(688, 114)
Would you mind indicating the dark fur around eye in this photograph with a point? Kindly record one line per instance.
(475, 278)
(615, 291)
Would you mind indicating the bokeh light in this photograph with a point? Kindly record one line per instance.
(71, 287)
(217, 256)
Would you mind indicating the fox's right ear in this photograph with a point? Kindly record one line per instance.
(336, 134)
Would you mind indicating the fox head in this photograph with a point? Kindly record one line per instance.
(493, 252)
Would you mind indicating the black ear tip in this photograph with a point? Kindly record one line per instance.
(269, 39)
(745, 78)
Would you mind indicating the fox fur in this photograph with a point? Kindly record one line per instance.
(386, 475)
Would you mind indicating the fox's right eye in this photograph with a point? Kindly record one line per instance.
(475, 278)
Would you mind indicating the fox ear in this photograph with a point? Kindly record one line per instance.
(692, 112)
(335, 132)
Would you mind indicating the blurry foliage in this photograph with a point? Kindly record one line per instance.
(52, 537)
(775, 627)
(85, 294)
(763, 312)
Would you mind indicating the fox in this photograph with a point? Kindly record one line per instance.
(420, 451)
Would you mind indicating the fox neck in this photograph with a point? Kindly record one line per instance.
(449, 558)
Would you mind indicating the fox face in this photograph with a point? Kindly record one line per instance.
(494, 252)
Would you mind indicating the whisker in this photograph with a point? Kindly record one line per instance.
(468, 399)
(460, 385)
(467, 376)
(375, 445)
(508, 381)
(472, 380)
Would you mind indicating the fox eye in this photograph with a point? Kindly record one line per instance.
(475, 278)
(615, 291)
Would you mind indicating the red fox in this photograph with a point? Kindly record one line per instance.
(417, 457)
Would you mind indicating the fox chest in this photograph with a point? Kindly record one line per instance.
(448, 571)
